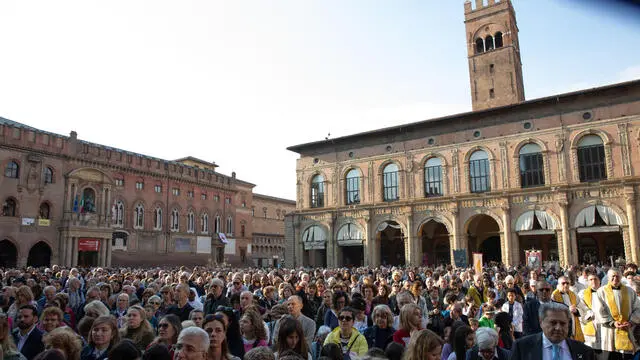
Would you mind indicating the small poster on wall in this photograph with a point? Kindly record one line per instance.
(460, 258)
(534, 258)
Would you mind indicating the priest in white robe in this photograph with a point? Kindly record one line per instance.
(588, 307)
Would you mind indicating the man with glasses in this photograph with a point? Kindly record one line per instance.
(563, 294)
(192, 344)
(530, 318)
(215, 297)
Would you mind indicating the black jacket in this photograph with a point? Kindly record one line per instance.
(503, 354)
(33, 346)
(384, 336)
(87, 353)
(530, 320)
(211, 304)
(182, 313)
(530, 348)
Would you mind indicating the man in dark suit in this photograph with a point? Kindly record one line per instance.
(27, 336)
(530, 320)
(554, 342)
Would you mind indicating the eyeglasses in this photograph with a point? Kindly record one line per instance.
(154, 302)
(236, 283)
(345, 318)
(163, 325)
(545, 289)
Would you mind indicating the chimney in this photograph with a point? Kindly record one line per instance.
(73, 135)
(233, 174)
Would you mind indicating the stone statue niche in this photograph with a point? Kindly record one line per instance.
(88, 201)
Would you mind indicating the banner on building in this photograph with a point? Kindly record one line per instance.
(44, 222)
(477, 262)
(230, 247)
(85, 244)
(460, 258)
(204, 245)
(183, 245)
(223, 238)
(28, 221)
(534, 258)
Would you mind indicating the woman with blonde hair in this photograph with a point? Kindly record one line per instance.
(24, 296)
(137, 328)
(410, 321)
(285, 292)
(424, 345)
(52, 318)
(96, 309)
(65, 340)
(8, 347)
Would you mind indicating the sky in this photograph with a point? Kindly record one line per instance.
(236, 82)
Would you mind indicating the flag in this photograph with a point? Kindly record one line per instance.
(75, 204)
(223, 238)
(114, 212)
(82, 205)
(477, 262)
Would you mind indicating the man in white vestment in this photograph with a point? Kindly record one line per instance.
(588, 307)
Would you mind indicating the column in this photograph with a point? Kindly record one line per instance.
(458, 239)
(565, 240)
(331, 248)
(506, 236)
(74, 252)
(633, 227)
(103, 252)
(366, 245)
(62, 251)
(411, 242)
(69, 258)
(109, 249)
(573, 247)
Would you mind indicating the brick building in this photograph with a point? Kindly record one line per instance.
(72, 202)
(268, 245)
(556, 174)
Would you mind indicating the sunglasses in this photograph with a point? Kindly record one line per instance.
(163, 325)
(345, 318)
(545, 289)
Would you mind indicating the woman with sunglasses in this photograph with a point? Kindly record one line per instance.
(353, 343)
(232, 326)
(291, 337)
(169, 328)
(216, 327)
(137, 328)
(102, 337)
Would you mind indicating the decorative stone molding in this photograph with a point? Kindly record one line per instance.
(456, 170)
(625, 147)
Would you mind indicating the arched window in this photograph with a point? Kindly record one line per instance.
(88, 204)
(44, 211)
(12, 170)
(242, 231)
(433, 177)
(531, 166)
(175, 220)
(591, 159)
(138, 217)
(479, 180)
(317, 191)
(390, 183)
(157, 219)
(489, 43)
(119, 214)
(353, 187)
(48, 175)
(9, 207)
(479, 46)
(498, 40)
(204, 221)
(230, 225)
(191, 222)
(216, 225)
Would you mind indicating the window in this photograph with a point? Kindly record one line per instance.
(227, 200)
(203, 196)
(48, 175)
(229, 225)
(264, 212)
(479, 46)
(157, 219)
(190, 194)
(242, 231)
(204, 221)
(433, 177)
(175, 192)
(119, 214)
(191, 226)
(479, 180)
(531, 166)
(158, 188)
(216, 225)
(253, 211)
(216, 198)
(353, 187)
(139, 185)
(390, 183)
(244, 204)
(175, 220)
(492, 93)
(489, 43)
(12, 170)
(9, 207)
(491, 68)
(591, 159)
(138, 217)
(317, 191)
(44, 211)
(498, 40)
(119, 182)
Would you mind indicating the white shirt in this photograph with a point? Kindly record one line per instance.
(547, 349)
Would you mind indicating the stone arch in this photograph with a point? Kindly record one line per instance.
(431, 155)
(437, 217)
(40, 254)
(9, 252)
(387, 162)
(469, 152)
(488, 29)
(483, 211)
(345, 220)
(91, 174)
(346, 170)
(390, 245)
(608, 153)
(50, 205)
(548, 210)
(484, 239)
(389, 217)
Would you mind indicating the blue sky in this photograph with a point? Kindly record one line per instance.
(236, 82)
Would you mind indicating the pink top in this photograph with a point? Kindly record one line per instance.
(248, 344)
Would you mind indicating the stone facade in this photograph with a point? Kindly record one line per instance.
(71, 202)
(268, 244)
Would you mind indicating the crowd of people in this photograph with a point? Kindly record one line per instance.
(415, 313)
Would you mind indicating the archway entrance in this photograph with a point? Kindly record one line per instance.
(39, 255)
(392, 242)
(8, 254)
(315, 254)
(350, 240)
(599, 236)
(435, 244)
(537, 231)
(483, 233)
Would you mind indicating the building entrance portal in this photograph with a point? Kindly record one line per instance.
(39, 255)
(599, 235)
(435, 244)
(392, 244)
(8, 254)
(483, 233)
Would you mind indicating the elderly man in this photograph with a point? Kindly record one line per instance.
(554, 342)
(215, 297)
(563, 294)
(486, 347)
(192, 344)
(122, 305)
(618, 313)
(49, 294)
(589, 306)
(294, 306)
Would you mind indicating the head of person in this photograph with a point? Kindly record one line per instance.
(216, 287)
(614, 276)
(65, 340)
(154, 301)
(425, 344)
(404, 298)
(216, 327)
(197, 316)
(123, 301)
(463, 339)
(394, 351)
(554, 321)
(167, 295)
(246, 299)
(382, 316)
(93, 294)
(563, 284)
(169, 327)
(125, 349)
(346, 319)
(157, 352)
(290, 336)
(136, 316)
(24, 295)
(181, 294)
(593, 280)
(340, 300)
(96, 309)
(487, 341)
(260, 353)
(252, 326)
(456, 311)
(49, 293)
(511, 295)
(331, 351)
(543, 290)
(104, 332)
(52, 317)
(294, 305)
(477, 280)
(27, 317)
